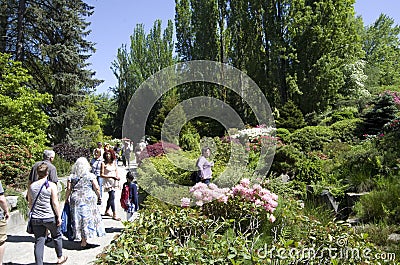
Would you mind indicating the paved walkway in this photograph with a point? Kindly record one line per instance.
(19, 245)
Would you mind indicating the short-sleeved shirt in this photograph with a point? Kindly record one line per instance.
(96, 166)
(1, 210)
(205, 167)
(51, 169)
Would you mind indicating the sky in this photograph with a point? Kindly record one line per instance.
(113, 22)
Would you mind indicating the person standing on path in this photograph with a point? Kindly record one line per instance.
(110, 183)
(132, 205)
(48, 157)
(205, 166)
(82, 194)
(46, 214)
(4, 215)
(96, 168)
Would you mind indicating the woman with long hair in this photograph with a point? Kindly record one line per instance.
(83, 192)
(109, 173)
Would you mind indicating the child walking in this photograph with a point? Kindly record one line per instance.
(129, 197)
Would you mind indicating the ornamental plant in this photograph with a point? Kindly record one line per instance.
(244, 202)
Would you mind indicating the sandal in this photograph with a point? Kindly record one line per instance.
(116, 218)
(62, 260)
(107, 214)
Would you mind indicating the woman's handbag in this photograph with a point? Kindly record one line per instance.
(29, 228)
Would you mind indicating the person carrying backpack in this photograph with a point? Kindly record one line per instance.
(129, 196)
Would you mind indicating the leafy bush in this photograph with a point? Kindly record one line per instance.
(71, 153)
(346, 130)
(282, 134)
(173, 235)
(311, 138)
(360, 166)
(290, 117)
(15, 162)
(63, 166)
(285, 160)
(158, 149)
(381, 204)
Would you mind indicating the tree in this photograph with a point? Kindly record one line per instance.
(49, 39)
(22, 108)
(381, 44)
(146, 55)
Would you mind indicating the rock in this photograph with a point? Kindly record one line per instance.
(394, 237)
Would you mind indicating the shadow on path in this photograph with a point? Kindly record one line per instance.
(15, 239)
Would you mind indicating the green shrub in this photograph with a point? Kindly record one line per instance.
(63, 166)
(360, 166)
(285, 160)
(290, 117)
(282, 134)
(311, 137)
(381, 204)
(346, 130)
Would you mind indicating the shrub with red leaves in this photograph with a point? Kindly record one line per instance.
(158, 149)
(71, 153)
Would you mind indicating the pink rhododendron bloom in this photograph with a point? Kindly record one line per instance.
(185, 202)
(212, 186)
(274, 196)
(199, 203)
(245, 182)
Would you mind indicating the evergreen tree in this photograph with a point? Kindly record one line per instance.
(49, 39)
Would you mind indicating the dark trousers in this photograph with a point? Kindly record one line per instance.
(111, 201)
(39, 230)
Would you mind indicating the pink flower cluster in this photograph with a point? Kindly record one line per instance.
(394, 94)
(255, 194)
(204, 193)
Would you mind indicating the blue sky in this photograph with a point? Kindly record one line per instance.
(113, 22)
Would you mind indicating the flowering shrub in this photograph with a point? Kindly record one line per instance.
(254, 133)
(15, 162)
(158, 149)
(394, 94)
(71, 153)
(241, 201)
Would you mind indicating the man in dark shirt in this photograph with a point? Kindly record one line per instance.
(48, 157)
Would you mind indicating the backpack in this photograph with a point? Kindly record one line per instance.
(124, 200)
(196, 176)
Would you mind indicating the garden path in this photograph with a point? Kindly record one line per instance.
(19, 245)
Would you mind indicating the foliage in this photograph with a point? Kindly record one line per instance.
(189, 138)
(55, 52)
(347, 130)
(22, 107)
(360, 165)
(241, 202)
(158, 149)
(384, 109)
(311, 138)
(71, 153)
(145, 55)
(290, 117)
(285, 160)
(87, 132)
(283, 134)
(15, 162)
(63, 166)
(382, 204)
(381, 45)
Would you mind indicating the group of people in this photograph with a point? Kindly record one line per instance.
(84, 193)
